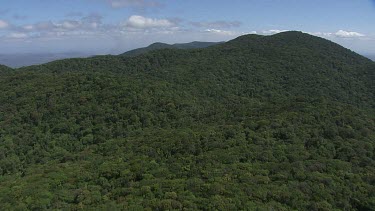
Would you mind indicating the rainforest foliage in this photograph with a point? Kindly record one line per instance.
(282, 122)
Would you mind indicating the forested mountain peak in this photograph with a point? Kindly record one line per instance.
(292, 62)
(279, 37)
(291, 39)
(281, 122)
(158, 45)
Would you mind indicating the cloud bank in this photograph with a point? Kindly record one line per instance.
(348, 34)
(140, 22)
(77, 31)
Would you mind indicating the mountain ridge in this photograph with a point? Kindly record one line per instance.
(159, 45)
(199, 45)
(277, 51)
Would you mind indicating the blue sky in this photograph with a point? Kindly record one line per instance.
(114, 26)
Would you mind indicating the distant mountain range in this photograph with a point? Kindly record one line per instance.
(27, 59)
(158, 45)
(372, 57)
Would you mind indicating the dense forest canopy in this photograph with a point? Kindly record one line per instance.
(282, 122)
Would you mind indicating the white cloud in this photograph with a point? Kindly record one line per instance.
(140, 22)
(221, 32)
(348, 34)
(88, 23)
(338, 34)
(320, 34)
(3, 24)
(273, 31)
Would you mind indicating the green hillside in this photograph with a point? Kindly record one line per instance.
(282, 122)
(4, 68)
(157, 46)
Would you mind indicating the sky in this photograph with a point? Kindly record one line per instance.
(115, 26)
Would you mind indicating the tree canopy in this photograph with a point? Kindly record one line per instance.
(282, 122)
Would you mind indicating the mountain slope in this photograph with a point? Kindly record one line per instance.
(4, 69)
(290, 63)
(157, 46)
(282, 122)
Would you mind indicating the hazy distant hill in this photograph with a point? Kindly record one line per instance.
(156, 46)
(27, 59)
(372, 57)
(281, 122)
